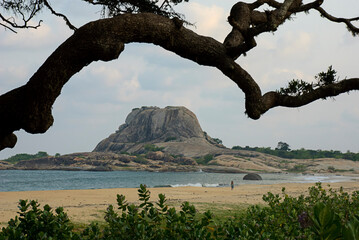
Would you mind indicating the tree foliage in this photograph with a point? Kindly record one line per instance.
(302, 153)
(29, 107)
(113, 8)
(27, 10)
(299, 87)
(283, 146)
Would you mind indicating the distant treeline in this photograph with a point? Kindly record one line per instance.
(25, 156)
(302, 153)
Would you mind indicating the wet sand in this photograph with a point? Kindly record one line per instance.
(84, 206)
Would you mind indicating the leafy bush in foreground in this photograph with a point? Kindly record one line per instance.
(35, 223)
(320, 215)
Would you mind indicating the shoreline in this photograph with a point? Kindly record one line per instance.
(49, 181)
(86, 205)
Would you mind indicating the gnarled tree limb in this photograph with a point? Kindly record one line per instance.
(29, 107)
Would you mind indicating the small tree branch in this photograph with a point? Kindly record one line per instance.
(67, 21)
(7, 27)
(275, 99)
(348, 21)
(12, 24)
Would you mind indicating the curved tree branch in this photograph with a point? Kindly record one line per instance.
(29, 107)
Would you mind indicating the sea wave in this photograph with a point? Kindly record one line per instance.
(199, 185)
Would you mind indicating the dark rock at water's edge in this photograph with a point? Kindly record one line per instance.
(100, 169)
(252, 176)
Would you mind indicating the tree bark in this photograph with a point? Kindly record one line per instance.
(29, 107)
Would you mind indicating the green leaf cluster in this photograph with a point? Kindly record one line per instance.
(36, 223)
(115, 7)
(322, 214)
(297, 87)
(151, 221)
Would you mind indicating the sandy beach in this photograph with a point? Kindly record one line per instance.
(84, 206)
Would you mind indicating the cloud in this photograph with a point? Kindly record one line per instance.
(279, 77)
(27, 38)
(48, 35)
(12, 77)
(296, 43)
(210, 20)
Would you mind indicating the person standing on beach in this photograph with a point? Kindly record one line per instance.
(232, 185)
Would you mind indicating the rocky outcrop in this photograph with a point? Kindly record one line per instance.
(171, 139)
(107, 161)
(6, 166)
(175, 129)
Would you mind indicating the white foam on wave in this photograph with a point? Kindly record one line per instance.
(196, 185)
(187, 185)
(211, 185)
(324, 178)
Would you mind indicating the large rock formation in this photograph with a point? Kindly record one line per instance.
(175, 129)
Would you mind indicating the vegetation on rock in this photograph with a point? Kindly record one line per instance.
(25, 156)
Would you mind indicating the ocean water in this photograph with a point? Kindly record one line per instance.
(32, 180)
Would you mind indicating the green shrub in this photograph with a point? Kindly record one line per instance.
(152, 148)
(205, 159)
(320, 215)
(152, 220)
(141, 160)
(217, 140)
(34, 223)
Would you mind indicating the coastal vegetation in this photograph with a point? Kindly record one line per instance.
(322, 214)
(286, 152)
(25, 156)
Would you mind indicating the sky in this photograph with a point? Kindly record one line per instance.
(96, 101)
